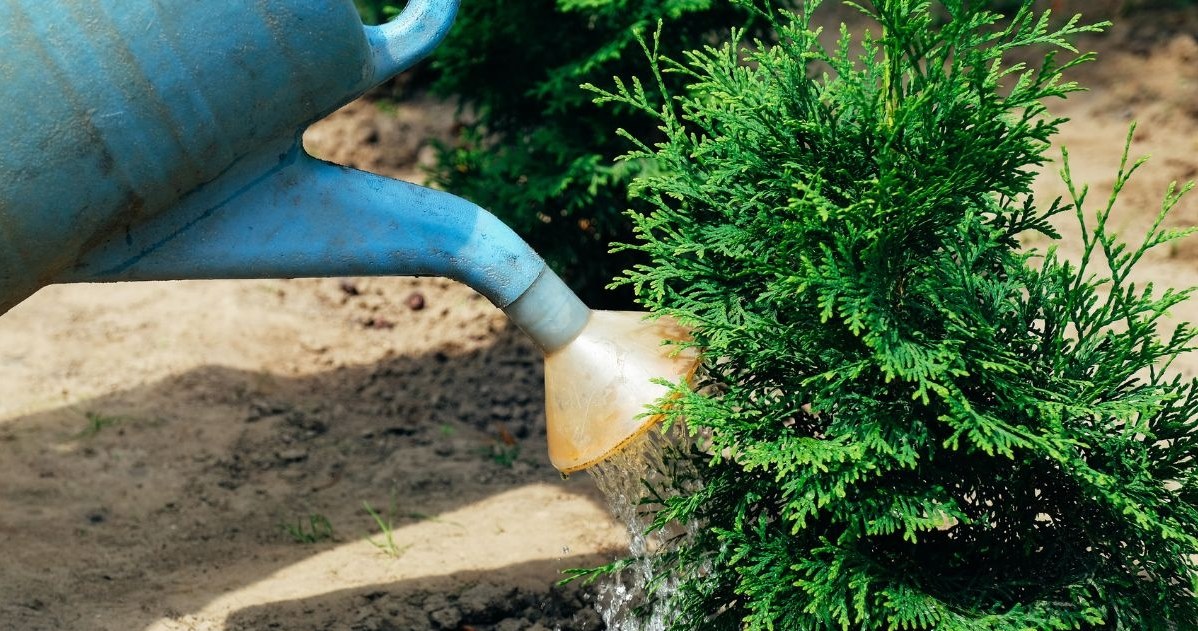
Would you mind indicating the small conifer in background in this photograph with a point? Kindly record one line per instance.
(541, 155)
(906, 420)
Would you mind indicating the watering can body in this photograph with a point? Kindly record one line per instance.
(114, 111)
(159, 139)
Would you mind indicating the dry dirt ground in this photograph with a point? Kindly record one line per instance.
(163, 446)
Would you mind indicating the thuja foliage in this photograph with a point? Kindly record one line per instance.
(905, 420)
(541, 155)
(377, 11)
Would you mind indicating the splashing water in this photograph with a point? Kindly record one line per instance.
(629, 600)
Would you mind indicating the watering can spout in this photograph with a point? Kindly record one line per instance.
(599, 386)
(602, 371)
(177, 125)
(283, 214)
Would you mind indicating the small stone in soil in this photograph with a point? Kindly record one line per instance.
(415, 301)
(483, 597)
(587, 619)
(447, 618)
(292, 455)
(510, 624)
(396, 430)
(349, 287)
(378, 323)
(434, 602)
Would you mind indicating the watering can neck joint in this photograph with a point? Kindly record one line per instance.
(549, 312)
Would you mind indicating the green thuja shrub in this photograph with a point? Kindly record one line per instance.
(541, 155)
(377, 11)
(906, 420)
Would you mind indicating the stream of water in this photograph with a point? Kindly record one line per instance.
(627, 601)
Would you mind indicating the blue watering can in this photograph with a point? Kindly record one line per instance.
(160, 139)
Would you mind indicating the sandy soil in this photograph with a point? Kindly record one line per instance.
(159, 440)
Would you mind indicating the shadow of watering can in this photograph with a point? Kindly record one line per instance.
(160, 139)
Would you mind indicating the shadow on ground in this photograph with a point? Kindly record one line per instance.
(151, 502)
(504, 600)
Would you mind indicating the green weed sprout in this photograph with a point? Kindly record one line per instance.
(96, 422)
(317, 528)
(910, 421)
(388, 545)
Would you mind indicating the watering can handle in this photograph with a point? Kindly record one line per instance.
(400, 43)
